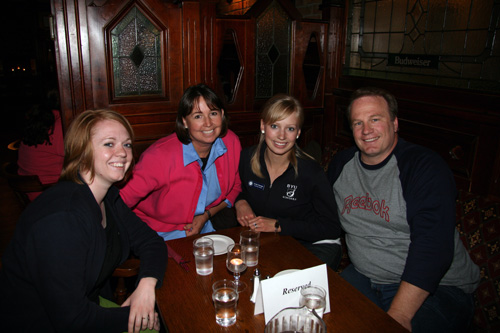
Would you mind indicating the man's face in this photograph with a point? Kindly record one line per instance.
(374, 132)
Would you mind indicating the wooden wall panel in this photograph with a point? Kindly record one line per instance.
(191, 43)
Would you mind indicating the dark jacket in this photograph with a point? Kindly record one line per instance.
(304, 205)
(55, 258)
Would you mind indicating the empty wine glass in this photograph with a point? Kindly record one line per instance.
(236, 264)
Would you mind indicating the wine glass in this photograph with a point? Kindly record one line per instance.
(236, 264)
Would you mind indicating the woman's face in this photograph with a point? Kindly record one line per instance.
(112, 152)
(204, 125)
(281, 135)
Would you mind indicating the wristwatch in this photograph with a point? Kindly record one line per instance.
(276, 226)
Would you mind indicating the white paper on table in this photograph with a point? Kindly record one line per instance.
(283, 291)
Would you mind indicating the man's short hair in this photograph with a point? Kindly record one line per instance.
(374, 91)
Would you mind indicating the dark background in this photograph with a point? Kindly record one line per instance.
(27, 63)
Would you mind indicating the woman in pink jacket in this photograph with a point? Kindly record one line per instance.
(184, 179)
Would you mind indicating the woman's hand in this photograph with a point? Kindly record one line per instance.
(244, 212)
(195, 227)
(142, 306)
(262, 224)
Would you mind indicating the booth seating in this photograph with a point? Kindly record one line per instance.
(478, 221)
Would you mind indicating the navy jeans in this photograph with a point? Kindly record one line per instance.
(449, 309)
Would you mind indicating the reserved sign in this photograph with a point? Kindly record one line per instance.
(283, 291)
(413, 60)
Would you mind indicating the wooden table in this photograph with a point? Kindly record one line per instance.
(185, 299)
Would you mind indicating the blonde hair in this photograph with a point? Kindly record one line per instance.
(78, 149)
(277, 108)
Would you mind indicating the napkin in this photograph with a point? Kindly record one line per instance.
(178, 259)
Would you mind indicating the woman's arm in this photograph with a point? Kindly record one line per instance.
(322, 222)
(147, 176)
(233, 156)
(144, 243)
(244, 213)
(62, 258)
(199, 221)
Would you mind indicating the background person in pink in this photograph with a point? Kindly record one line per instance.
(41, 151)
(183, 180)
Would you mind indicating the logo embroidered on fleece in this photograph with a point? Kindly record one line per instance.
(290, 192)
(366, 203)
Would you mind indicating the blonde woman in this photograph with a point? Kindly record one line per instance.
(283, 189)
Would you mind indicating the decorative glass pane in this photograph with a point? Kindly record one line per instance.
(229, 66)
(136, 52)
(444, 43)
(273, 52)
(312, 66)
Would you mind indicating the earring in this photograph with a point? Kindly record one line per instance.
(297, 137)
(263, 132)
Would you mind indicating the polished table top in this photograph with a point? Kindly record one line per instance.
(185, 299)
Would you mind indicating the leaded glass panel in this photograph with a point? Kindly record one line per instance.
(229, 66)
(136, 53)
(312, 66)
(459, 34)
(273, 52)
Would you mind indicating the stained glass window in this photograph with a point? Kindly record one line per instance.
(394, 39)
(273, 52)
(136, 55)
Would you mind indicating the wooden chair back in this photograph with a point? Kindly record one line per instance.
(22, 184)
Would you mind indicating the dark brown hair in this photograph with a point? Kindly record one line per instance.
(190, 102)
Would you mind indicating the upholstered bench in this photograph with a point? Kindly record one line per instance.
(478, 221)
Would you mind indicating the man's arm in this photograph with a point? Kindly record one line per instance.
(431, 217)
(406, 303)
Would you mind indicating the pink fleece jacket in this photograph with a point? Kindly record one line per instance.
(164, 193)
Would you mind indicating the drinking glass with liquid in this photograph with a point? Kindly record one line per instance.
(250, 242)
(225, 297)
(203, 250)
(313, 297)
